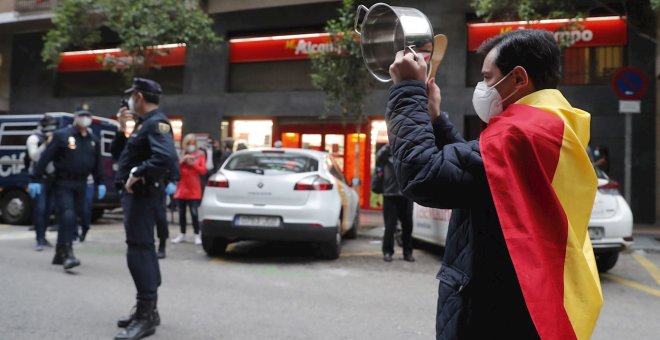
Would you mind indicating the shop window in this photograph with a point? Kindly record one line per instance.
(581, 65)
(106, 83)
(253, 133)
(591, 65)
(290, 140)
(311, 141)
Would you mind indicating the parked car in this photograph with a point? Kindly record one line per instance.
(279, 195)
(610, 225)
(15, 204)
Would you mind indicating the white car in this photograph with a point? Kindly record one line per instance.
(279, 194)
(610, 225)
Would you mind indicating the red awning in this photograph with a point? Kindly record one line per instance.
(94, 60)
(598, 31)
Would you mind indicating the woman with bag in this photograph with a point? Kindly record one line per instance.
(189, 189)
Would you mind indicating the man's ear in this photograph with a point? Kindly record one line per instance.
(520, 76)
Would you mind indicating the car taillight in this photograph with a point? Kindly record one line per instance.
(313, 183)
(218, 181)
(610, 188)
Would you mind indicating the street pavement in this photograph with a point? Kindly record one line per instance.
(269, 290)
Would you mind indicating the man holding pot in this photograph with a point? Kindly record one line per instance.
(518, 262)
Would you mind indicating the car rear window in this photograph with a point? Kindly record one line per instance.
(261, 162)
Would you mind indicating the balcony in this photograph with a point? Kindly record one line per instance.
(34, 5)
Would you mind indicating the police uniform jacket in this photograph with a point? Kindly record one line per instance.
(149, 149)
(75, 157)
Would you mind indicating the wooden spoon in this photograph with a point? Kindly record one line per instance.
(439, 48)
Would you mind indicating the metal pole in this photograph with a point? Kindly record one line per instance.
(627, 162)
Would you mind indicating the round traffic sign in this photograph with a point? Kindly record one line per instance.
(629, 83)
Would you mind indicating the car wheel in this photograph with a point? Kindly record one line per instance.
(16, 207)
(351, 234)
(331, 249)
(214, 246)
(97, 213)
(606, 261)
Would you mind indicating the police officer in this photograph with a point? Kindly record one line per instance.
(141, 175)
(116, 148)
(76, 154)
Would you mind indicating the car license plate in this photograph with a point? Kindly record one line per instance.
(596, 233)
(258, 221)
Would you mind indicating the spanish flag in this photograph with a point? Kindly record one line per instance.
(543, 186)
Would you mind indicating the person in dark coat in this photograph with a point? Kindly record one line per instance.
(396, 207)
(484, 287)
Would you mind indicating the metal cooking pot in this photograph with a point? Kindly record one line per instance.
(387, 30)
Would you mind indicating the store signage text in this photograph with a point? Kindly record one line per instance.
(99, 60)
(276, 48)
(590, 32)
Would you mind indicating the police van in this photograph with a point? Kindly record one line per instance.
(15, 203)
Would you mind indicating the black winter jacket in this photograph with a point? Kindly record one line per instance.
(384, 161)
(478, 295)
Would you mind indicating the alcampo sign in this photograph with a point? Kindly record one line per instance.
(589, 32)
(275, 48)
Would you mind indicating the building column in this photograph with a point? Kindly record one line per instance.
(657, 123)
(5, 72)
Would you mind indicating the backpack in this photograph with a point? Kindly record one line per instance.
(377, 184)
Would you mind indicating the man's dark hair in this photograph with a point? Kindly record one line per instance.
(151, 97)
(535, 50)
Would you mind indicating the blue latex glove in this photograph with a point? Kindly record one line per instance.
(170, 189)
(34, 189)
(101, 191)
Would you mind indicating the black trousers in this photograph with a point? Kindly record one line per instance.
(140, 213)
(397, 208)
(162, 227)
(69, 196)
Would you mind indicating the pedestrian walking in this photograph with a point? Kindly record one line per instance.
(396, 208)
(75, 153)
(518, 263)
(36, 144)
(189, 190)
(141, 176)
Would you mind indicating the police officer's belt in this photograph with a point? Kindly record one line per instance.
(70, 177)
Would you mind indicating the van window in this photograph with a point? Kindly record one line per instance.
(16, 134)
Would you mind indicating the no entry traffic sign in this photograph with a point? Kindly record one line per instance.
(629, 83)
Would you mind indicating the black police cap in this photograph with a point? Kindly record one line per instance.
(144, 85)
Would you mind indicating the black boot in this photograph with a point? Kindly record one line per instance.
(59, 254)
(161, 248)
(122, 323)
(142, 324)
(70, 260)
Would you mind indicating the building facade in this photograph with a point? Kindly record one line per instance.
(256, 86)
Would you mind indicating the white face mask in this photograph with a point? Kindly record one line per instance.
(191, 148)
(487, 101)
(84, 121)
(131, 104)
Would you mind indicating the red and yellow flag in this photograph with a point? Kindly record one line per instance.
(543, 186)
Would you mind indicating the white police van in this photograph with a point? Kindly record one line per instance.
(15, 203)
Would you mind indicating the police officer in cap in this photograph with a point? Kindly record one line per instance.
(75, 153)
(141, 176)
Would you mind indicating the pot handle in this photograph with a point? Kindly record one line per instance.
(360, 8)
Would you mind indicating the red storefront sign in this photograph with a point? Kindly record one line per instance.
(284, 47)
(589, 32)
(95, 60)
